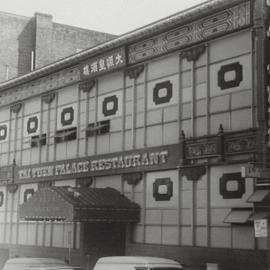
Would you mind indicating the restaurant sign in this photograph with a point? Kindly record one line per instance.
(123, 162)
(103, 63)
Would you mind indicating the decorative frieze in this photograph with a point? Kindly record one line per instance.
(240, 145)
(40, 86)
(221, 23)
(206, 149)
(220, 146)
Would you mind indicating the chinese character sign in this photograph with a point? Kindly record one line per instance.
(104, 63)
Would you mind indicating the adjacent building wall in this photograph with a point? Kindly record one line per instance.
(39, 39)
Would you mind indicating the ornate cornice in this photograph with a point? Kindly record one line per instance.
(196, 13)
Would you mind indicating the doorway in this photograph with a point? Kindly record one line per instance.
(103, 239)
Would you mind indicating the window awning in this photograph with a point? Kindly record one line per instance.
(259, 215)
(79, 204)
(259, 195)
(238, 216)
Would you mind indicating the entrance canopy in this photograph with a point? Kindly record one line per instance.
(79, 204)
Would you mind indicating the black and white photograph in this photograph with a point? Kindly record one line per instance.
(135, 135)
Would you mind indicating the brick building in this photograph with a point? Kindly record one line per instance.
(30, 43)
(136, 146)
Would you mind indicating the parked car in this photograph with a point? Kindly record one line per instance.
(136, 263)
(37, 264)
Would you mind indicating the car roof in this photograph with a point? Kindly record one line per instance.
(36, 260)
(136, 259)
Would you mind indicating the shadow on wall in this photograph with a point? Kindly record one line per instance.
(26, 44)
(4, 255)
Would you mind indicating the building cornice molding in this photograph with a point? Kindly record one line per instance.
(178, 19)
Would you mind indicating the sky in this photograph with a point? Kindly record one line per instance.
(110, 16)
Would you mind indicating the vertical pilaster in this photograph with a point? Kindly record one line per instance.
(134, 73)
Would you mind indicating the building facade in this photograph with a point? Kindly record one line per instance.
(153, 143)
(30, 43)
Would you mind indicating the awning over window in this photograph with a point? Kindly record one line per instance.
(259, 195)
(259, 215)
(79, 204)
(238, 216)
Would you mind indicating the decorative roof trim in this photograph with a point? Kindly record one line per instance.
(177, 19)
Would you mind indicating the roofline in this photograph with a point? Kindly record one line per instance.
(15, 15)
(177, 19)
(84, 29)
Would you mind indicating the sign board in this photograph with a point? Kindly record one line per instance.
(251, 172)
(104, 63)
(155, 158)
(260, 227)
(254, 172)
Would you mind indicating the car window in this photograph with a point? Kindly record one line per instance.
(158, 268)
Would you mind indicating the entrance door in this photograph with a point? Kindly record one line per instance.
(103, 239)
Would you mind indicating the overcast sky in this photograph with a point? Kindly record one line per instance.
(111, 16)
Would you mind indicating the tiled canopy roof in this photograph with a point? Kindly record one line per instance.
(80, 204)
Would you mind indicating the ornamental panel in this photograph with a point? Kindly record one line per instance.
(232, 186)
(110, 105)
(4, 130)
(67, 116)
(235, 73)
(228, 188)
(231, 75)
(162, 189)
(162, 92)
(31, 125)
(221, 23)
